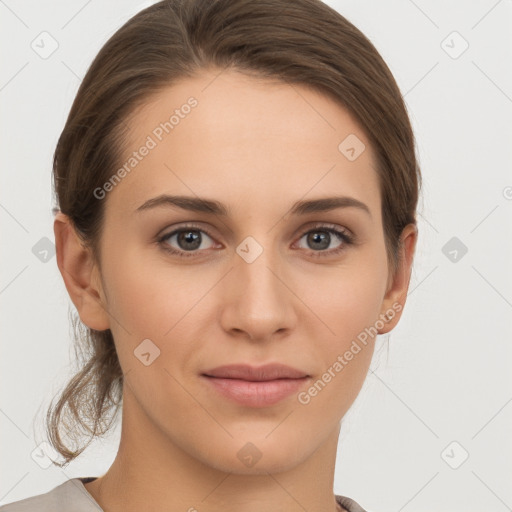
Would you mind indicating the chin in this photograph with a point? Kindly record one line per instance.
(259, 456)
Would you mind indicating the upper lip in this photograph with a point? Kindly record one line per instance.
(256, 373)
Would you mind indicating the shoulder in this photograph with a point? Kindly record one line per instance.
(70, 495)
(347, 503)
(73, 494)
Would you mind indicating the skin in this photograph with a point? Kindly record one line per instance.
(256, 146)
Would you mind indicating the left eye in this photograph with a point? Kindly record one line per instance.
(322, 238)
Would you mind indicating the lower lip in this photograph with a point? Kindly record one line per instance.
(256, 394)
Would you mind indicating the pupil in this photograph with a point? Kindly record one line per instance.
(321, 238)
(189, 237)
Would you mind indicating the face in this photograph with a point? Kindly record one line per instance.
(257, 280)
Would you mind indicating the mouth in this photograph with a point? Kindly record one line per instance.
(256, 386)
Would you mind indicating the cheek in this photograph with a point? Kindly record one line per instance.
(156, 301)
(147, 293)
(350, 306)
(350, 300)
(346, 350)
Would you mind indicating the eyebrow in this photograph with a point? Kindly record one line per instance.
(203, 205)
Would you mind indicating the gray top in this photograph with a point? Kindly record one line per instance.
(74, 492)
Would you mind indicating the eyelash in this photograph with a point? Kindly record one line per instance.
(343, 235)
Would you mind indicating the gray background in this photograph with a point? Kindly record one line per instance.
(442, 393)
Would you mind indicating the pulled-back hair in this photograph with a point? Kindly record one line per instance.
(302, 42)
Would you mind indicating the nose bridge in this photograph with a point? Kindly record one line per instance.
(257, 267)
(261, 303)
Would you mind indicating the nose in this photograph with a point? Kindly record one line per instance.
(257, 299)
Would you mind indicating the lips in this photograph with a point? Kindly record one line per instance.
(255, 386)
(256, 374)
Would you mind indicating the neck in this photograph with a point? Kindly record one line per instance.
(152, 472)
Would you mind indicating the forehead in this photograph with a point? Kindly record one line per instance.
(243, 141)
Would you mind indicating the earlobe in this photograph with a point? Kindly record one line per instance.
(396, 295)
(78, 269)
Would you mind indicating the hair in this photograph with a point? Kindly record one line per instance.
(302, 42)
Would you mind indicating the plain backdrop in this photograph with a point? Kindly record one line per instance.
(431, 427)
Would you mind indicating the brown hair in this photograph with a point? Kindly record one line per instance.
(301, 42)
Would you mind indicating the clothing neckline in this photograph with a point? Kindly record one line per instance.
(347, 503)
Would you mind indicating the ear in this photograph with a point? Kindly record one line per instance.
(80, 274)
(398, 285)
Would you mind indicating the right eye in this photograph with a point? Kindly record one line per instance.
(188, 238)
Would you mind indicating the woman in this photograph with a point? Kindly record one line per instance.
(237, 187)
